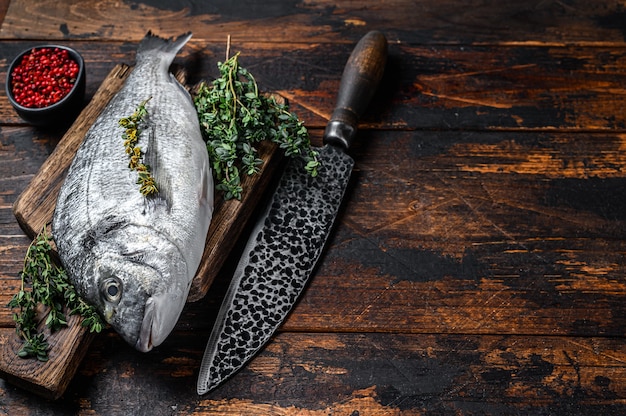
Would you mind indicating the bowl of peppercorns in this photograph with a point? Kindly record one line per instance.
(46, 84)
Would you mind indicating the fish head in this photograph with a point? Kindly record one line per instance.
(141, 300)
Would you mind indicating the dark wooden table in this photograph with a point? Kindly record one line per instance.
(478, 263)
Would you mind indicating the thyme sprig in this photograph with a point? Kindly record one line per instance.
(132, 128)
(45, 283)
(234, 116)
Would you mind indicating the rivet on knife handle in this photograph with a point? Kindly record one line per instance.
(359, 81)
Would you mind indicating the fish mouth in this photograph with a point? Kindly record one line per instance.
(144, 341)
(160, 317)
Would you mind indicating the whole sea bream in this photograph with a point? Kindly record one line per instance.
(133, 256)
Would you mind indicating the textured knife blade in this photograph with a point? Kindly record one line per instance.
(277, 261)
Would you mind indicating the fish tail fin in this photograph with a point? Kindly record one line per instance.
(165, 49)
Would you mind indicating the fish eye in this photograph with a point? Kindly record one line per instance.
(112, 289)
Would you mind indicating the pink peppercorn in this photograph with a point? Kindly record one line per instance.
(43, 77)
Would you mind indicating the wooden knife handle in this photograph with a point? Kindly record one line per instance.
(359, 81)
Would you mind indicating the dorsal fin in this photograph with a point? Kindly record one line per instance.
(165, 49)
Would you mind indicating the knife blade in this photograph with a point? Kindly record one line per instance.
(289, 237)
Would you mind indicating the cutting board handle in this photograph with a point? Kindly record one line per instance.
(359, 81)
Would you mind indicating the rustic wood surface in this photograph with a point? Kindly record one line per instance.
(477, 266)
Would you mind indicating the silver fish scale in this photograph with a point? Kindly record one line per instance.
(278, 260)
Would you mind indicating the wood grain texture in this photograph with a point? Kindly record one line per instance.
(478, 263)
(348, 374)
(47, 379)
(312, 21)
(4, 5)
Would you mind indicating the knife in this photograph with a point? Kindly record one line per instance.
(290, 235)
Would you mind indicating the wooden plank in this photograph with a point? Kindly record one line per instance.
(33, 210)
(49, 379)
(4, 5)
(423, 22)
(434, 374)
(370, 373)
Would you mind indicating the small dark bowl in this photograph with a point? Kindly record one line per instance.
(63, 111)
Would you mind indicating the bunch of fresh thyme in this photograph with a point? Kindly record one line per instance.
(132, 129)
(234, 116)
(45, 283)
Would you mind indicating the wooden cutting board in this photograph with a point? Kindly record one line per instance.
(33, 210)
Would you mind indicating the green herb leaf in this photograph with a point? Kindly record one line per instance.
(132, 128)
(43, 282)
(233, 116)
